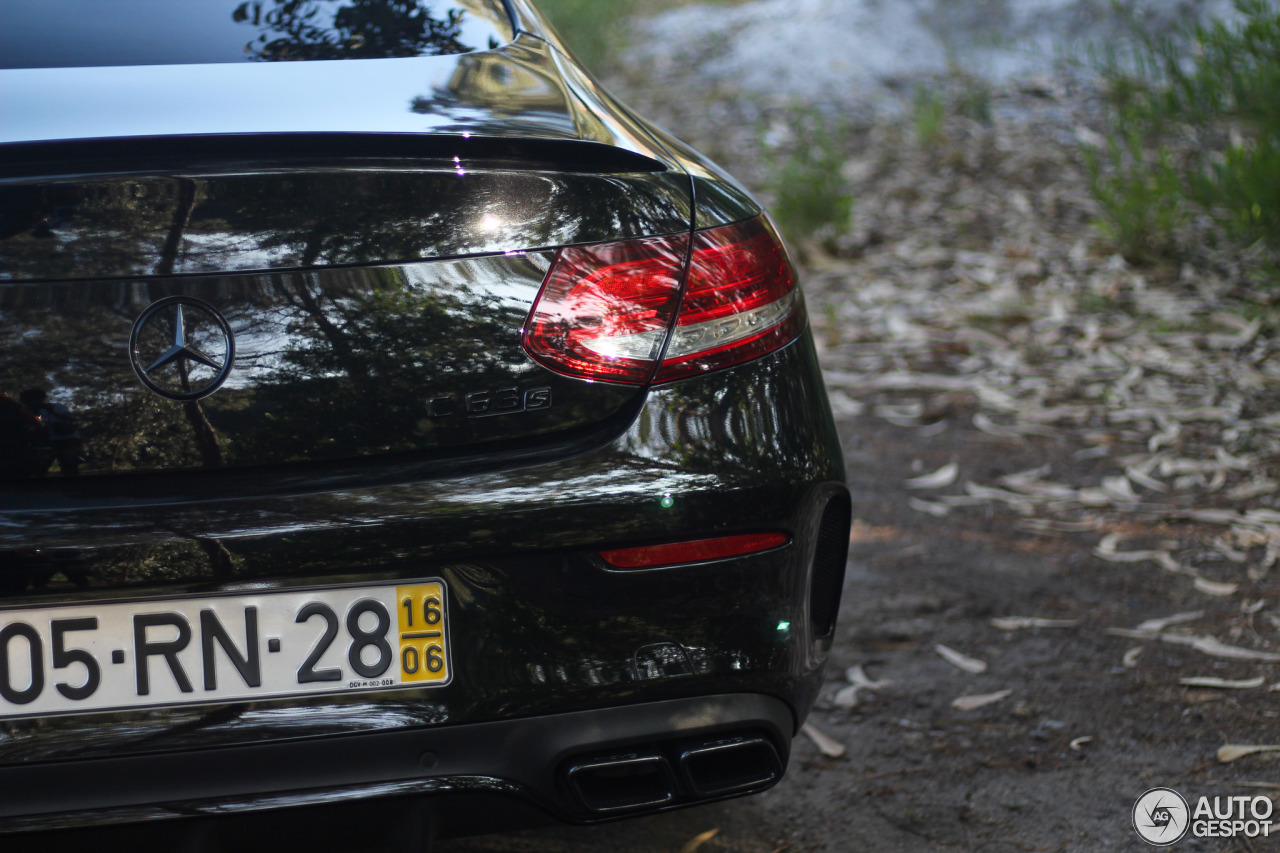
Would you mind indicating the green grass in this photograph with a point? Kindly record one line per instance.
(1195, 134)
(812, 198)
(1140, 193)
(929, 116)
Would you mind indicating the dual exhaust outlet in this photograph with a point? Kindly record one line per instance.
(652, 778)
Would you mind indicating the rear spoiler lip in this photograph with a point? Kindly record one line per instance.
(239, 152)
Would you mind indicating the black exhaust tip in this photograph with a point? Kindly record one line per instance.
(623, 783)
(730, 766)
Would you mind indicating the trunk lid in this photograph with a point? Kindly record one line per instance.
(370, 250)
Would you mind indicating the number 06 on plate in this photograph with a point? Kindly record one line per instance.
(223, 648)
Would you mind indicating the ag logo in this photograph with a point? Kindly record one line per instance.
(1161, 817)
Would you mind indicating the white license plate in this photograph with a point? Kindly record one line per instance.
(76, 659)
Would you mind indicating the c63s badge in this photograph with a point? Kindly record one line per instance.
(489, 404)
(182, 348)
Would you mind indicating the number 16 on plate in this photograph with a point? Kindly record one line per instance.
(421, 630)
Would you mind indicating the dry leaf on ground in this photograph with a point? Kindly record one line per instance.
(1014, 623)
(961, 661)
(828, 747)
(1155, 626)
(1222, 683)
(972, 703)
(692, 845)
(1218, 649)
(1231, 752)
(940, 479)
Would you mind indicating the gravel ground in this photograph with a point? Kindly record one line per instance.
(835, 51)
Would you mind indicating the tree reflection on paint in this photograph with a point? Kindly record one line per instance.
(361, 29)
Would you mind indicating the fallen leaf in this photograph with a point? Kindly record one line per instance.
(1222, 683)
(990, 427)
(986, 493)
(1094, 497)
(1119, 489)
(847, 697)
(1131, 634)
(1235, 463)
(1230, 553)
(692, 845)
(971, 703)
(1230, 752)
(1106, 550)
(1145, 480)
(856, 676)
(937, 510)
(903, 416)
(1014, 623)
(1046, 525)
(1254, 489)
(1234, 341)
(1216, 648)
(1023, 478)
(1165, 437)
(960, 661)
(828, 747)
(1155, 626)
(1044, 489)
(1214, 588)
(940, 479)
(1078, 743)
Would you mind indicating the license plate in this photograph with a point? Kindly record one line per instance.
(76, 659)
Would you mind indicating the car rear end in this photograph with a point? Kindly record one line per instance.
(429, 433)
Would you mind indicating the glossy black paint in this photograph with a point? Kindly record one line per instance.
(333, 364)
(102, 33)
(375, 233)
(736, 451)
(516, 92)
(141, 226)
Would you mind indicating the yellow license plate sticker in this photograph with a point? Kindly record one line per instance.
(422, 641)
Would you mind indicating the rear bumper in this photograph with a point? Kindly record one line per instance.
(554, 652)
(539, 760)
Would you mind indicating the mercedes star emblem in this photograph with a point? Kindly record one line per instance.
(182, 348)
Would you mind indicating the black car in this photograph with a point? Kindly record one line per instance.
(398, 437)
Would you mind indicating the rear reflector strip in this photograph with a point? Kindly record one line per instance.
(694, 551)
(605, 311)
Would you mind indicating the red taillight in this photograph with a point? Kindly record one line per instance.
(605, 311)
(740, 302)
(695, 551)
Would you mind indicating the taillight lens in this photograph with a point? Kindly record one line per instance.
(740, 303)
(605, 311)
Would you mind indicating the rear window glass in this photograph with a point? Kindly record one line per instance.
(87, 33)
